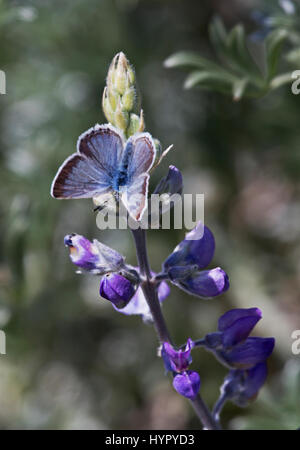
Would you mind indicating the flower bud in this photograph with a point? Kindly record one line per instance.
(136, 124)
(121, 118)
(120, 98)
(205, 283)
(117, 289)
(171, 183)
(93, 256)
(128, 99)
(106, 106)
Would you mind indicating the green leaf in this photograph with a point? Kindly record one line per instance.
(239, 53)
(280, 80)
(238, 88)
(187, 58)
(218, 36)
(273, 48)
(210, 80)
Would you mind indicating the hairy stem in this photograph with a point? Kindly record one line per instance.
(150, 292)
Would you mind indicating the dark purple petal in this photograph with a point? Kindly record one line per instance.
(117, 289)
(249, 353)
(197, 248)
(239, 330)
(171, 183)
(187, 384)
(177, 360)
(242, 386)
(233, 315)
(206, 283)
(255, 378)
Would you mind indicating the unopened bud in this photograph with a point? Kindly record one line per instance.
(121, 117)
(128, 99)
(120, 97)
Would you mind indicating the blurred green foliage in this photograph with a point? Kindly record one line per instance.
(72, 361)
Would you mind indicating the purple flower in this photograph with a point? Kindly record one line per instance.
(93, 256)
(242, 386)
(187, 384)
(117, 289)
(177, 360)
(197, 248)
(205, 283)
(231, 343)
(194, 253)
(237, 324)
(138, 304)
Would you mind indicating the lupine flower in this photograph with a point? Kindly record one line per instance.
(242, 386)
(117, 289)
(187, 384)
(138, 304)
(93, 256)
(177, 360)
(194, 253)
(231, 343)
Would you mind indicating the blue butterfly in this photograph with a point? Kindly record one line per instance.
(107, 166)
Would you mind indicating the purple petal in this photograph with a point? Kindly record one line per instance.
(206, 283)
(93, 256)
(197, 248)
(239, 331)
(231, 316)
(117, 289)
(171, 183)
(82, 252)
(256, 377)
(187, 384)
(163, 291)
(177, 360)
(249, 353)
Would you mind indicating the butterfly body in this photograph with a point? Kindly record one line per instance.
(105, 167)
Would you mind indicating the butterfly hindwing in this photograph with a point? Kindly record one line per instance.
(135, 196)
(89, 172)
(140, 152)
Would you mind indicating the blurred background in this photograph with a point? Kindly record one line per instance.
(72, 361)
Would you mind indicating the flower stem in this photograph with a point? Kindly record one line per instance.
(150, 292)
(148, 286)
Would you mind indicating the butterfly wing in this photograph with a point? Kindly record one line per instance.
(140, 153)
(89, 172)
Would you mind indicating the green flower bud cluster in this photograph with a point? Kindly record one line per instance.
(120, 99)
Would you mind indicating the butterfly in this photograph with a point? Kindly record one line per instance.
(107, 166)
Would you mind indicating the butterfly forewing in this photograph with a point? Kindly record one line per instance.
(103, 146)
(89, 172)
(143, 155)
